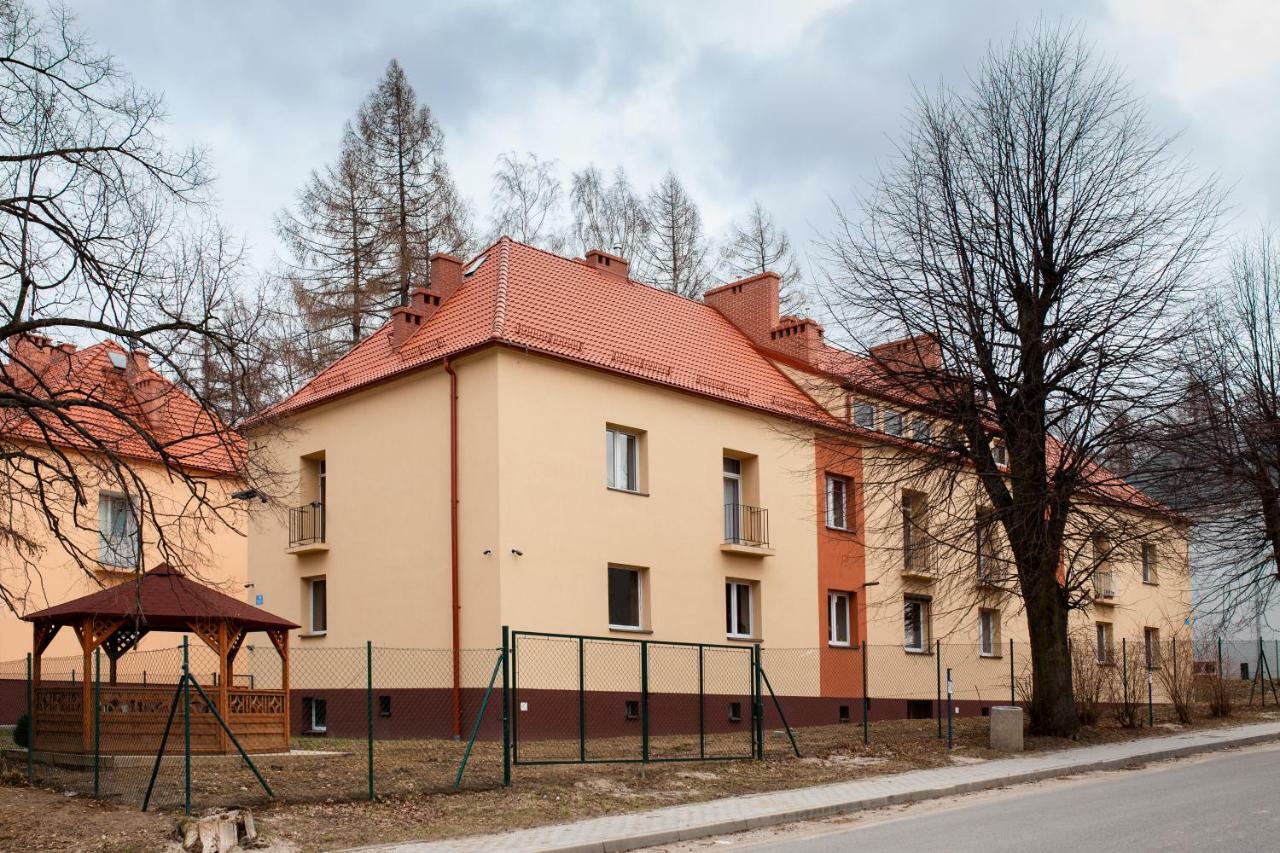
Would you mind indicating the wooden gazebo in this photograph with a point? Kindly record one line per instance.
(131, 715)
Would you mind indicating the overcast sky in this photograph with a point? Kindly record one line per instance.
(788, 102)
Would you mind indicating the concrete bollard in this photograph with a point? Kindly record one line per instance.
(1006, 728)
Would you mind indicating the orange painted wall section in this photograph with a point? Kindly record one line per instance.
(842, 567)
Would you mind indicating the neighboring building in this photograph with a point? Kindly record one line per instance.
(111, 385)
(543, 443)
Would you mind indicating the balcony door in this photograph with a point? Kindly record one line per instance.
(732, 499)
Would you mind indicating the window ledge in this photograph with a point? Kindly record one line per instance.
(310, 548)
(926, 652)
(636, 492)
(311, 635)
(747, 550)
(990, 657)
(736, 639)
(1151, 583)
(848, 530)
(627, 629)
(832, 645)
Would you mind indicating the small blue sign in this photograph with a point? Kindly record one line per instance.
(257, 599)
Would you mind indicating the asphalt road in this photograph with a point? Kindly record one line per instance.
(1224, 802)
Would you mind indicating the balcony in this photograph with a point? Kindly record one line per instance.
(1104, 588)
(746, 531)
(306, 529)
(919, 563)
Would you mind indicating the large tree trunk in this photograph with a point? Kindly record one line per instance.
(1053, 709)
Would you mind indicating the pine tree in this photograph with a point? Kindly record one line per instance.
(421, 211)
(675, 253)
(339, 266)
(758, 245)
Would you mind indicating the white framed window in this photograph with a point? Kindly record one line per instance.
(1151, 644)
(989, 632)
(915, 623)
(838, 619)
(921, 429)
(893, 422)
(985, 545)
(626, 598)
(864, 415)
(999, 453)
(1105, 643)
(739, 609)
(118, 541)
(622, 459)
(915, 533)
(838, 493)
(317, 714)
(317, 605)
(1149, 573)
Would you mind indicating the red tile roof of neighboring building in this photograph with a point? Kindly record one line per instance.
(524, 297)
(101, 410)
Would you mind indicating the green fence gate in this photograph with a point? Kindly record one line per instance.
(579, 699)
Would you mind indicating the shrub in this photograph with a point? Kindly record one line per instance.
(1089, 681)
(1176, 675)
(22, 731)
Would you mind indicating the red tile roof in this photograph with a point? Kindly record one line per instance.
(163, 599)
(98, 403)
(524, 297)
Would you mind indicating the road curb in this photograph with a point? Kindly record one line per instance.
(721, 826)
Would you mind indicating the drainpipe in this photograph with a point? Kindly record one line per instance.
(453, 547)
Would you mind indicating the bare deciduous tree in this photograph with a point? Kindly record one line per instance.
(101, 237)
(674, 256)
(1031, 247)
(527, 200)
(607, 214)
(757, 245)
(1218, 457)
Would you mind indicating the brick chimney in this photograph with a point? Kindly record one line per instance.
(446, 275)
(909, 354)
(751, 304)
(150, 391)
(605, 262)
(797, 337)
(29, 358)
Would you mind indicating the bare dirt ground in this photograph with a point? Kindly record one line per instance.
(315, 809)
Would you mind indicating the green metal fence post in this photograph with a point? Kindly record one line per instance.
(506, 708)
(515, 705)
(937, 653)
(758, 702)
(1013, 679)
(97, 723)
(1219, 658)
(582, 701)
(644, 700)
(1151, 708)
(950, 705)
(702, 702)
(1124, 674)
(866, 700)
(368, 673)
(186, 727)
(31, 723)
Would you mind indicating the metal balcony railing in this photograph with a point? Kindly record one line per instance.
(306, 524)
(746, 525)
(1104, 584)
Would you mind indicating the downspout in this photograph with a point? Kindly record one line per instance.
(453, 547)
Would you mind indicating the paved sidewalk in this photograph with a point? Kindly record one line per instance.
(736, 814)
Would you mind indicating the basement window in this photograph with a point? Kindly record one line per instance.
(632, 709)
(844, 713)
(316, 711)
(735, 712)
(384, 706)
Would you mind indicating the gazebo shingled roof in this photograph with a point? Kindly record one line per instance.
(164, 599)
